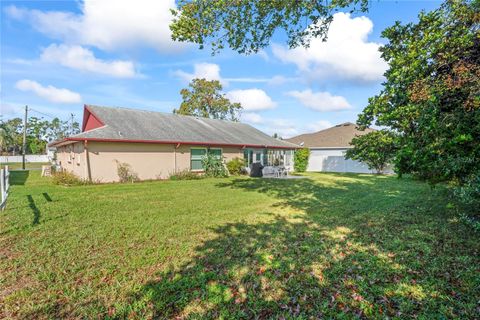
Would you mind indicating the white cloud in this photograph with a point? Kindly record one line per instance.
(287, 128)
(318, 125)
(263, 54)
(347, 53)
(278, 80)
(320, 101)
(208, 71)
(49, 93)
(77, 57)
(7, 109)
(252, 117)
(107, 24)
(248, 79)
(211, 71)
(252, 99)
(283, 127)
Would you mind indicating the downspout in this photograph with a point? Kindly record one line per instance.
(88, 173)
(175, 147)
(174, 159)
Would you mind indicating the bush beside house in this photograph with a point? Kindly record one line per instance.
(301, 159)
(236, 166)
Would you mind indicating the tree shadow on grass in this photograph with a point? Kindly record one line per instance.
(18, 177)
(359, 248)
(47, 197)
(36, 212)
(269, 270)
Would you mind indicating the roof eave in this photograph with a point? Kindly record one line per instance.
(63, 142)
(242, 145)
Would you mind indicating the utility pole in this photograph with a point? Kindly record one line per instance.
(71, 124)
(24, 147)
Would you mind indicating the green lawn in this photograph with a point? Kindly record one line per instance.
(330, 246)
(28, 165)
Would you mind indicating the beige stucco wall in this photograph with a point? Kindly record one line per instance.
(149, 161)
(71, 158)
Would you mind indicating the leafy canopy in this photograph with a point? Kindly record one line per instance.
(431, 95)
(203, 98)
(39, 133)
(247, 26)
(376, 149)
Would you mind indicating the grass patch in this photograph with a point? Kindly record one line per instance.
(28, 165)
(332, 246)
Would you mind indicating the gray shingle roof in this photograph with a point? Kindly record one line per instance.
(338, 136)
(134, 124)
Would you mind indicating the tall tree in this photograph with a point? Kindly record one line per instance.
(204, 98)
(247, 26)
(39, 133)
(59, 129)
(11, 135)
(431, 95)
(5, 137)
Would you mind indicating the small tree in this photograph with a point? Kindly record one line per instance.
(376, 149)
(300, 161)
(204, 99)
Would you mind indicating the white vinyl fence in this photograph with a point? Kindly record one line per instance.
(333, 160)
(4, 186)
(28, 158)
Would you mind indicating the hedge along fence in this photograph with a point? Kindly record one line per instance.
(301, 159)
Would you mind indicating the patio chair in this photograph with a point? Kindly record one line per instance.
(272, 171)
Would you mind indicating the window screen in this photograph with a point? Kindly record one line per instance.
(196, 156)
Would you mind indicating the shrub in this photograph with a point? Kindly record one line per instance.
(301, 159)
(65, 178)
(469, 192)
(236, 166)
(185, 175)
(376, 149)
(213, 166)
(125, 172)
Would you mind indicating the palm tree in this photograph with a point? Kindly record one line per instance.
(6, 138)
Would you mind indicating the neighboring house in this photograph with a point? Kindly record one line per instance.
(157, 144)
(328, 147)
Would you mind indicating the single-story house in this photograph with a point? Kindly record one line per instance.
(157, 144)
(328, 148)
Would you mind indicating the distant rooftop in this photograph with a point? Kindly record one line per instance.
(337, 136)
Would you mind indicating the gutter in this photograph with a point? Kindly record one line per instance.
(216, 144)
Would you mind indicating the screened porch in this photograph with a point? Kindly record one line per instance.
(269, 158)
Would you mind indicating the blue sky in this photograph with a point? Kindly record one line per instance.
(57, 56)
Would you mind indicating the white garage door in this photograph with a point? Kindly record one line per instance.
(333, 160)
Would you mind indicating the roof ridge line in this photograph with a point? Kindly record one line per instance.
(163, 112)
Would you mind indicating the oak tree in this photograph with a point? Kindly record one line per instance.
(247, 26)
(431, 95)
(204, 98)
